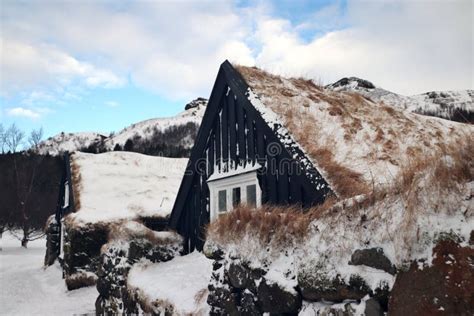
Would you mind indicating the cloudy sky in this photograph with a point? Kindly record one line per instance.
(101, 65)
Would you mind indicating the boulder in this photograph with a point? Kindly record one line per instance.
(277, 300)
(373, 308)
(248, 304)
(374, 258)
(239, 276)
(221, 298)
(212, 251)
(195, 103)
(446, 286)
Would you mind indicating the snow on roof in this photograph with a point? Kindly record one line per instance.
(115, 186)
(353, 141)
(181, 282)
(233, 171)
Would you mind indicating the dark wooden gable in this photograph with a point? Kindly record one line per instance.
(233, 132)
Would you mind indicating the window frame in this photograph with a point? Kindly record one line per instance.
(228, 184)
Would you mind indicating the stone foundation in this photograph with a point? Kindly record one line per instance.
(116, 260)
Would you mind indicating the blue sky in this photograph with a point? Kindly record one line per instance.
(100, 66)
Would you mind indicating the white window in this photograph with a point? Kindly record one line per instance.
(227, 190)
(61, 240)
(66, 194)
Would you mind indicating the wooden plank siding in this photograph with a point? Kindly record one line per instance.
(233, 131)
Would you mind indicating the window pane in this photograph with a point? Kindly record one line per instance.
(235, 196)
(252, 195)
(222, 201)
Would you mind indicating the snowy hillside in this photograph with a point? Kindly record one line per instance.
(453, 105)
(193, 113)
(122, 185)
(68, 142)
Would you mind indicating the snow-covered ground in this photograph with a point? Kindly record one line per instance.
(181, 282)
(26, 288)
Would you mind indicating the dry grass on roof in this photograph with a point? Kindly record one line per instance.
(345, 181)
(437, 176)
(76, 183)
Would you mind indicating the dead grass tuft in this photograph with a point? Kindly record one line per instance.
(344, 181)
(76, 184)
(307, 84)
(201, 296)
(276, 224)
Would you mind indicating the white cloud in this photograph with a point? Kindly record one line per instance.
(112, 104)
(408, 47)
(174, 48)
(23, 112)
(37, 67)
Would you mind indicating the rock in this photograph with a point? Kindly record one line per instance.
(248, 304)
(216, 265)
(446, 286)
(80, 279)
(223, 299)
(100, 306)
(239, 276)
(212, 251)
(103, 287)
(373, 308)
(471, 238)
(195, 103)
(374, 258)
(274, 299)
(381, 295)
(319, 287)
(360, 83)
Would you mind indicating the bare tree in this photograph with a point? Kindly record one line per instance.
(2, 138)
(35, 137)
(13, 137)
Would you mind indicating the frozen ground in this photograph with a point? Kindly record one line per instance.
(26, 288)
(181, 283)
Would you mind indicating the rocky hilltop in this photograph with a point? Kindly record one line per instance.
(452, 105)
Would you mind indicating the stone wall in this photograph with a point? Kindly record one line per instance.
(82, 254)
(423, 288)
(237, 289)
(117, 258)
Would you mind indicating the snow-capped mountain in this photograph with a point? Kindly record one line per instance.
(144, 130)
(193, 113)
(452, 105)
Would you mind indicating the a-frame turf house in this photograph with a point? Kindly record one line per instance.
(242, 154)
